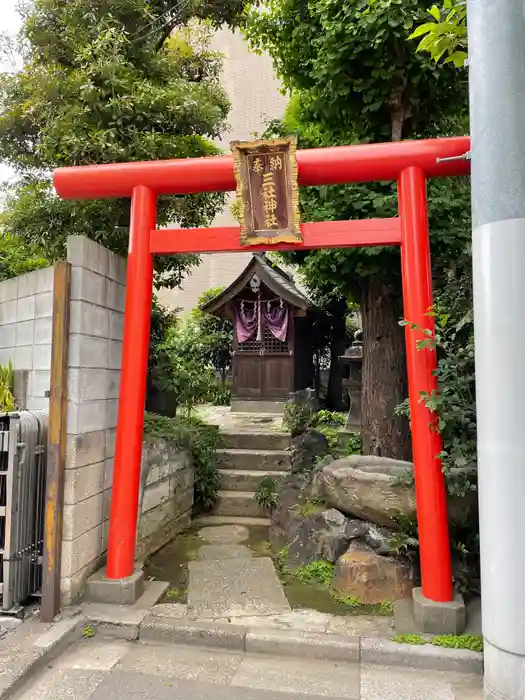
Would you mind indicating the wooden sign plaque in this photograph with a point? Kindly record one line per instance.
(267, 191)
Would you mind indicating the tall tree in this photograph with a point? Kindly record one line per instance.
(109, 82)
(355, 78)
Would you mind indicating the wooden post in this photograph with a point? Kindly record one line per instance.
(56, 456)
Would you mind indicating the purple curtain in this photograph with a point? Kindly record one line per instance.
(276, 319)
(249, 320)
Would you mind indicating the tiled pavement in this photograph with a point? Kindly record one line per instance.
(109, 669)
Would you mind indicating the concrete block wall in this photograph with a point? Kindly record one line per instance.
(98, 279)
(26, 319)
(166, 495)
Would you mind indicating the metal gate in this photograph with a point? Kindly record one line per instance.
(23, 458)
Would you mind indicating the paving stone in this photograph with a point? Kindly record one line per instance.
(307, 677)
(134, 686)
(223, 551)
(382, 683)
(182, 662)
(93, 655)
(224, 534)
(8, 624)
(235, 587)
(153, 592)
(57, 684)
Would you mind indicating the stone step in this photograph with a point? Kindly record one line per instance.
(208, 520)
(255, 441)
(254, 460)
(240, 503)
(246, 480)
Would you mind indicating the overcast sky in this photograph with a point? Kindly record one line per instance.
(10, 23)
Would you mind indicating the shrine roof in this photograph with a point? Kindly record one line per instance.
(272, 276)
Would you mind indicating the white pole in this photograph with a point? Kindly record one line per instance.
(497, 105)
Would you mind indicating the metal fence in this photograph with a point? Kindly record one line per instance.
(23, 457)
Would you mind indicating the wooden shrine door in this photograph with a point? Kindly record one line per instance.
(264, 370)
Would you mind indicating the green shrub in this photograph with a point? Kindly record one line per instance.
(297, 417)
(220, 393)
(331, 418)
(354, 445)
(216, 337)
(7, 400)
(202, 441)
(266, 495)
(185, 369)
(162, 319)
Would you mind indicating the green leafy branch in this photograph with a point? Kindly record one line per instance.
(445, 36)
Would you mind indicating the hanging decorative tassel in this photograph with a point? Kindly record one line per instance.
(259, 324)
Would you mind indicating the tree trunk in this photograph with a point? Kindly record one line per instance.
(384, 373)
(334, 393)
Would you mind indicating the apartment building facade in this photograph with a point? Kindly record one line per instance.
(255, 97)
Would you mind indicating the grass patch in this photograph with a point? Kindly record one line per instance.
(319, 572)
(409, 639)
(175, 595)
(471, 642)
(385, 608)
(309, 508)
(261, 548)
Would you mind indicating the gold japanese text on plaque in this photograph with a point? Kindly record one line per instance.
(267, 191)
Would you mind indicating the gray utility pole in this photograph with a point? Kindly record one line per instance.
(497, 104)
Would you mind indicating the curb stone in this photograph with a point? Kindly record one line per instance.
(24, 656)
(323, 646)
(425, 656)
(312, 645)
(179, 631)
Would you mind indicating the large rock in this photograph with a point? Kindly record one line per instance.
(371, 578)
(321, 536)
(307, 449)
(379, 489)
(380, 539)
(286, 516)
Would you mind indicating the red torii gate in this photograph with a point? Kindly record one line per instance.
(408, 162)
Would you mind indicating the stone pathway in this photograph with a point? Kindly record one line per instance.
(110, 669)
(227, 581)
(228, 584)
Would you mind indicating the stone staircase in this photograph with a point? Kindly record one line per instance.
(244, 461)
